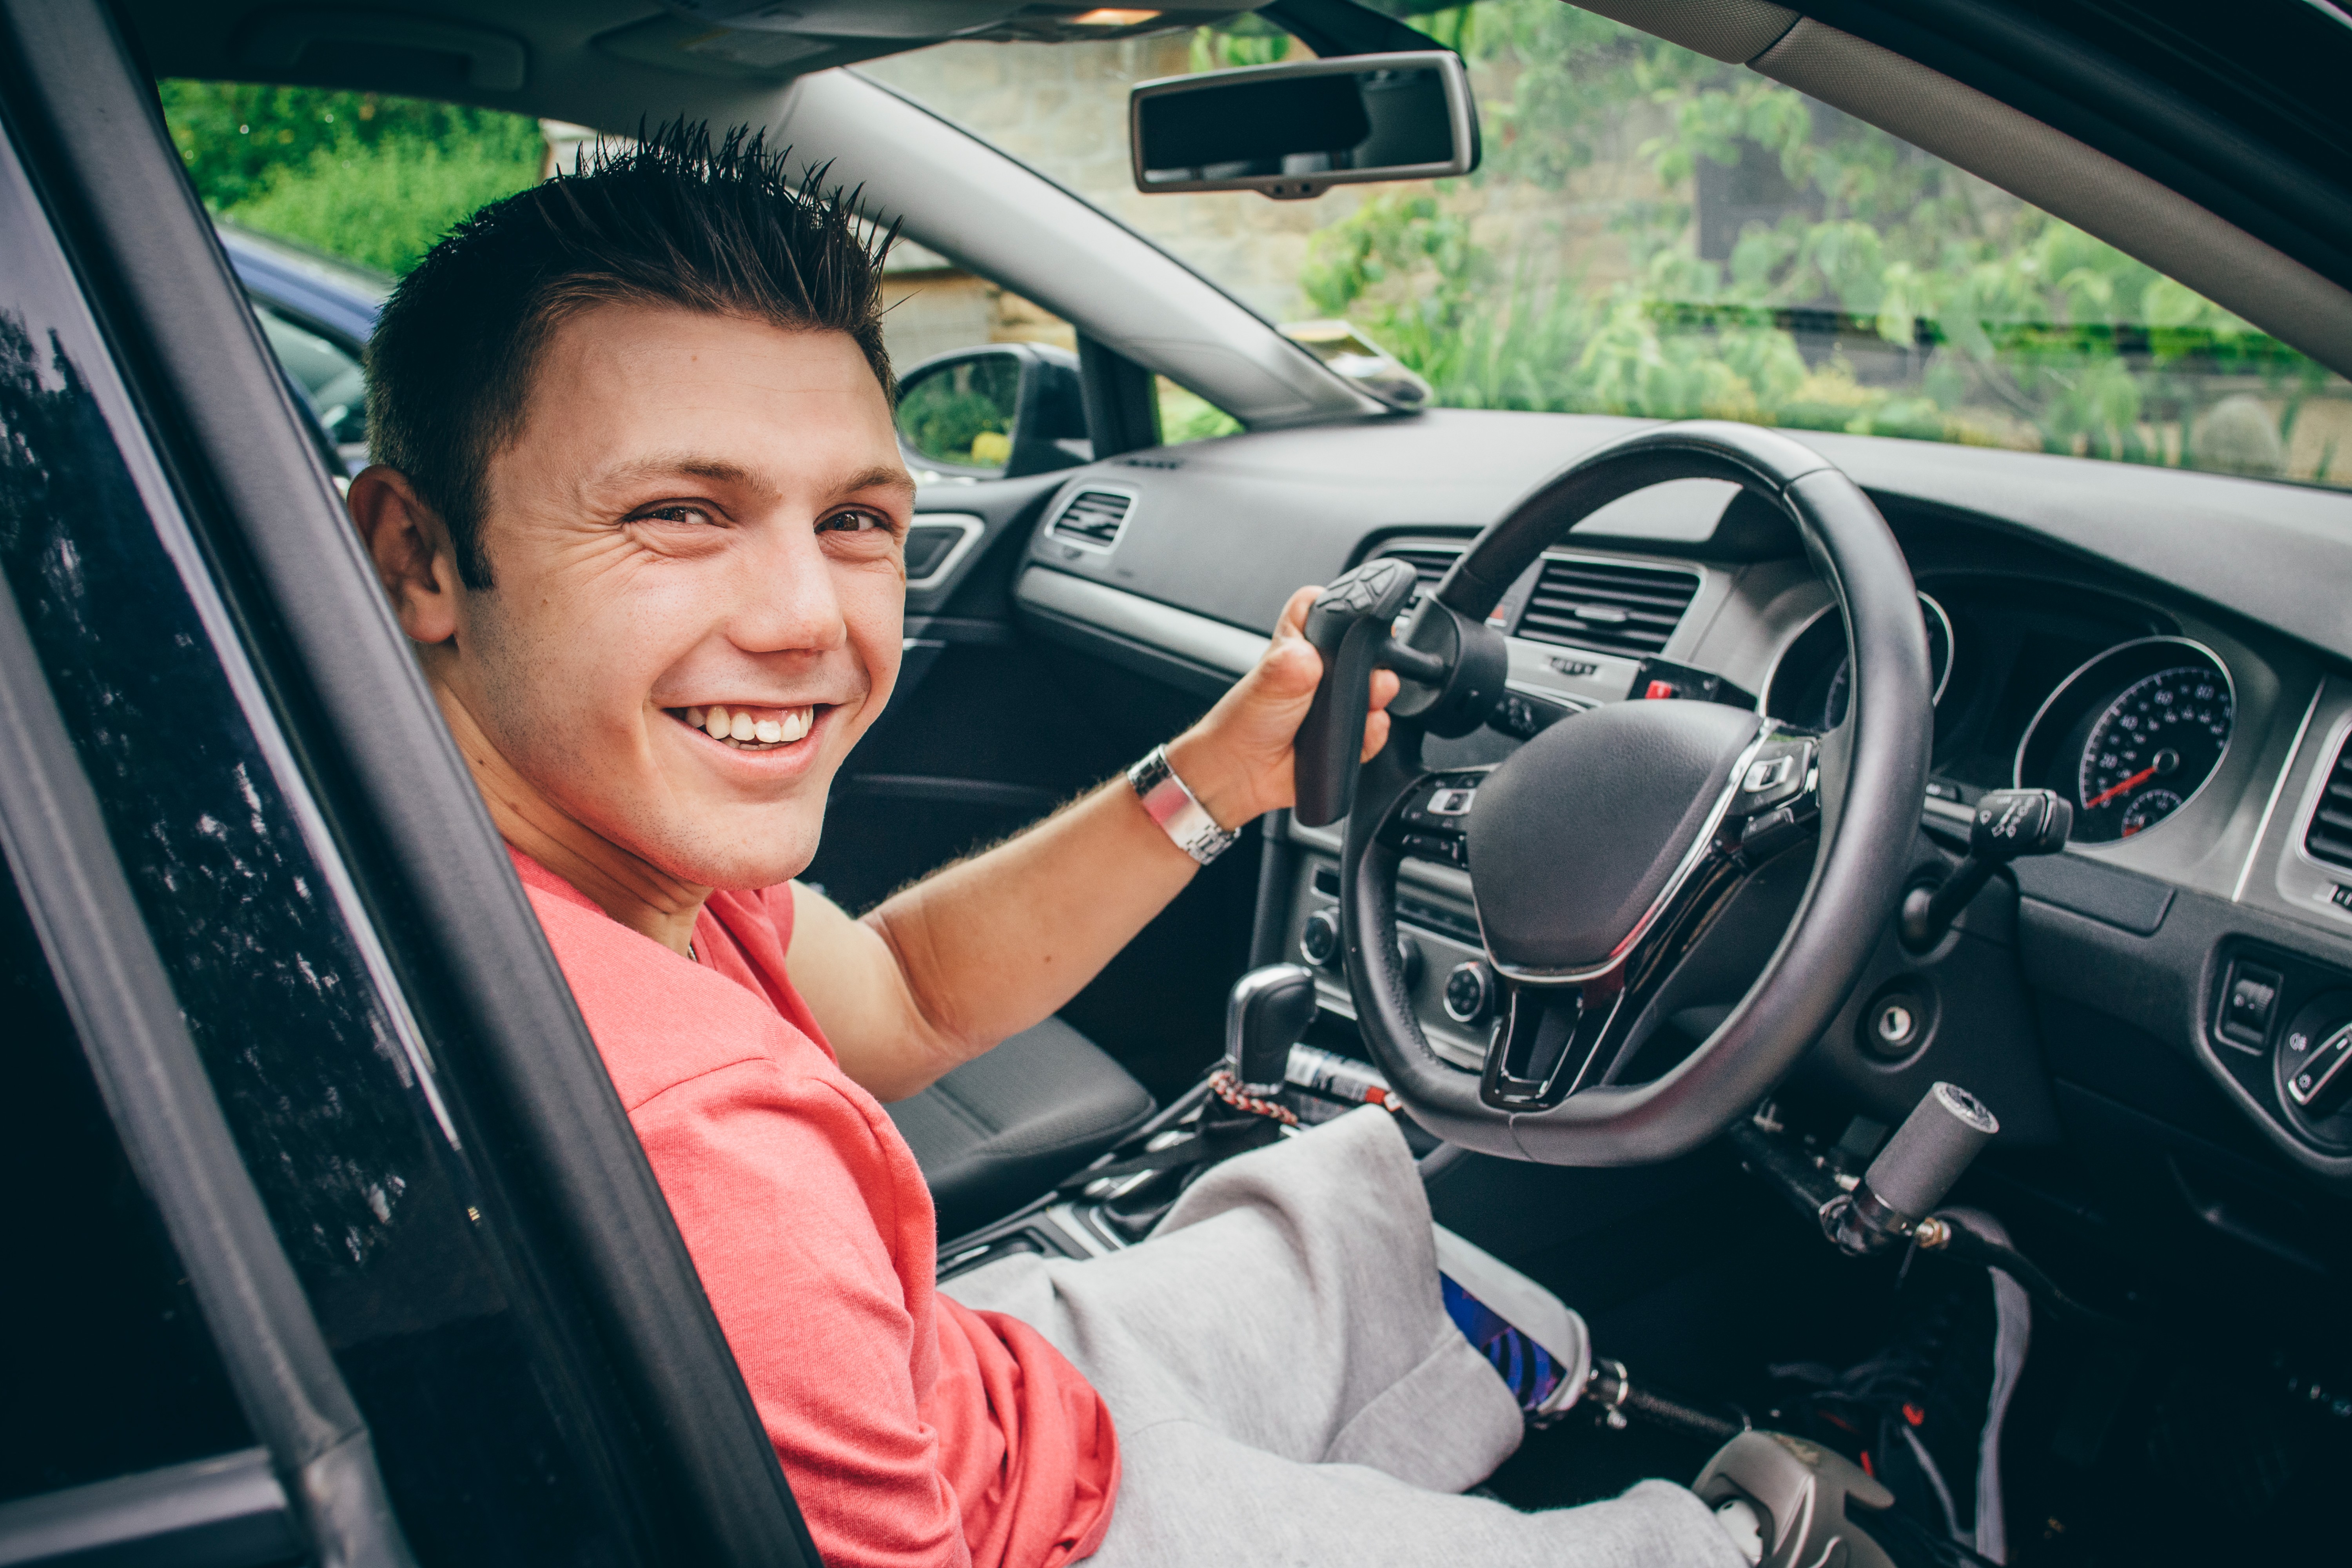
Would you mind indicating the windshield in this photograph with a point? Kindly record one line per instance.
(1652, 232)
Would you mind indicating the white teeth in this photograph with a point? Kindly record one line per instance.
(718, 723)
(768, 730)
(795, 724)
(743, 728)
(694, 717)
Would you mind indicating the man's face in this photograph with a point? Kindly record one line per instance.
(698, 531)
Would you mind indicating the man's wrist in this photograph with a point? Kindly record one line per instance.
(1220, 788)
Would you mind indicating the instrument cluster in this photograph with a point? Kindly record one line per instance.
(2090, 695)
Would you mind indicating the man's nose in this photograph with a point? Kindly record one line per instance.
(785, 595)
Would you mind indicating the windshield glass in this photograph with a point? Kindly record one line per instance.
(1652, 232)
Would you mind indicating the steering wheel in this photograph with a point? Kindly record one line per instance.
(1616, 851)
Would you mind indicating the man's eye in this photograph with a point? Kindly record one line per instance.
(854, 523)
(677, 511)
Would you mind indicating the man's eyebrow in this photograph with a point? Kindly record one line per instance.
(661, 465)
(880, 477)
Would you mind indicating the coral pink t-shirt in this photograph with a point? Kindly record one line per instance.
(913, 1429)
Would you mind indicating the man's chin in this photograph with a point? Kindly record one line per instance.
(738, 865)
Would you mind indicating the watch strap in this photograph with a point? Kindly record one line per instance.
(1179, 814)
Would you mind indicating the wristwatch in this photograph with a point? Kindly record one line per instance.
(1173, 806)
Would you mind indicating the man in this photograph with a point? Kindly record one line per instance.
(638, 504)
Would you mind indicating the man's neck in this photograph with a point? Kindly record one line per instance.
(640, 896)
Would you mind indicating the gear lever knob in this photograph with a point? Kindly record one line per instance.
(1919, 1164)
(1268, 1011)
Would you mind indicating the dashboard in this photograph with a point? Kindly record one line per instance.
(2166, 650)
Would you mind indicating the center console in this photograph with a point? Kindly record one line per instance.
(1445, 967)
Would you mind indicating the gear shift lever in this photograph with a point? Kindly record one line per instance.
(1268, 1011)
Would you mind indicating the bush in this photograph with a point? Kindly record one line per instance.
(368, 177)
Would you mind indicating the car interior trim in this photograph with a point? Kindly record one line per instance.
(227, 1511)
(969, 530)
(2278, 787)
(1208, 646)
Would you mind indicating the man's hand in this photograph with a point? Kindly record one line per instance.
(1237, 760)
(943, 970)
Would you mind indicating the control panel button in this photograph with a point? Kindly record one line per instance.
(1469, 992)
(2249, 1002)
(2321, 1084)
(1318, 938)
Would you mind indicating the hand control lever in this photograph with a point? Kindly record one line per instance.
(1929, 1153)
(2011, 824)
(1349, 626)
(1266, 1015)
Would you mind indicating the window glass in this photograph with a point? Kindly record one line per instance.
(105, 1367)
(366, 176)
(1655, 233)
(330, 377)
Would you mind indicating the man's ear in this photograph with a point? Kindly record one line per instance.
(410, 547)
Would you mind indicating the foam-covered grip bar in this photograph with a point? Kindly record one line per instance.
(1929, 1151)
(1349, 625)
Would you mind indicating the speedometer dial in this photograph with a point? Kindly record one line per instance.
(2151, 747)
(2132, 736)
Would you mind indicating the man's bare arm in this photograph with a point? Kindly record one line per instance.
(947, 968)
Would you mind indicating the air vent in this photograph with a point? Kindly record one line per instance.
(2327, 838)
(1430, 563)
(1092, 519)
(1608, 608)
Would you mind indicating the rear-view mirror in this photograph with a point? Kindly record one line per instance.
(1296, 128)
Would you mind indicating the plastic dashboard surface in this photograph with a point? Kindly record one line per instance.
(2042, 564)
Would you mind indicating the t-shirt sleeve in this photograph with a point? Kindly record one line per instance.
(793, 1245)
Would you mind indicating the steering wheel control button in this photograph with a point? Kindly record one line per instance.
(1449, 848)
(1777, 774)
(1469, 992)
(2249, 1003)
(1768, 774)
(1318, 938)
(1452, 802)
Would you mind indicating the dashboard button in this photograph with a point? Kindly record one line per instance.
(2249, 1003)
(1319, 939)
(1469, 992)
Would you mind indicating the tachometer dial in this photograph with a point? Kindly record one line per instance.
(2132, 736)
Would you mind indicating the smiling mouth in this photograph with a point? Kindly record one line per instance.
(749, 728)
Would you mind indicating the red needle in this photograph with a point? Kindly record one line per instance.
(2112, 791)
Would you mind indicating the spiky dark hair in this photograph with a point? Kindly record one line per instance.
(675, 219)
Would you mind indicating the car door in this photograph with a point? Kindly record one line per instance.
(295, 957)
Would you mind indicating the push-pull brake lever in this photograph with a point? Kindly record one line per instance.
(1349, 626)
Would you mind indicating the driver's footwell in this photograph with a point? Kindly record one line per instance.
(2195, 1442)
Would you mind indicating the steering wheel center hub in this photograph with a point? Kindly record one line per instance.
(1582, 834)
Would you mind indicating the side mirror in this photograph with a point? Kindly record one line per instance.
(1296, 128)
(997, 412)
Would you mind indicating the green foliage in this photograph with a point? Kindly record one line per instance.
(963, 411)
(2003, 325)
(1186, 416)
(368, 177)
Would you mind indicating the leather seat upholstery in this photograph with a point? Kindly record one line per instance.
(999, 1129)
